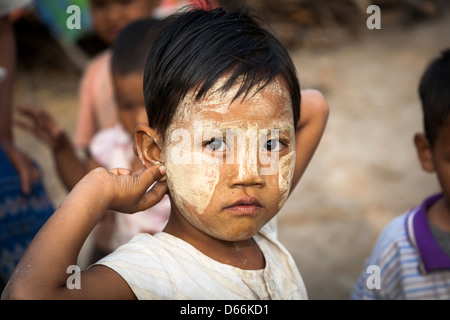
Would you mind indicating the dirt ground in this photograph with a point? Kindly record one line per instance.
(365, 171)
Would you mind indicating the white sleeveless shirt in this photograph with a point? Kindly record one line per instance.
(165, 267)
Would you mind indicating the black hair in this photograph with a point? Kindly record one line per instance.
(132, 45)
(434, 92)
(196, 47)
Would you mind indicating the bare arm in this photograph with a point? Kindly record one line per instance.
(69, 166)
(41, 273)
(313, 119)
(71, 169)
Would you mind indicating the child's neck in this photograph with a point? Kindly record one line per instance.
(439, 214)
(244, 254)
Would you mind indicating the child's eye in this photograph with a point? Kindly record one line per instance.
(217, 145)
(274, 145)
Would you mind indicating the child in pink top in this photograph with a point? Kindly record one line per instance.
(97, 108)
(111, 147)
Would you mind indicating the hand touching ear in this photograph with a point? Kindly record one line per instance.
(58, 243)
(133, 189)
(132, 192)
(119, 189)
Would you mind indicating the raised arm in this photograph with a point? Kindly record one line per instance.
(42, 271)
(69, 166)
(313, 119)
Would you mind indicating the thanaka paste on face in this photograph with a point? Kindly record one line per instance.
(192, 184)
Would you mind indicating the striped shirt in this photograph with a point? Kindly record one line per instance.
(165, 267)
(410, 262)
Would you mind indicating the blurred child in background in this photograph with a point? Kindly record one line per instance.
(97, 108)
(110, 147)
(413, 251)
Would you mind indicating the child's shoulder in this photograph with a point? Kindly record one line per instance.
(143, 251)
(400, 230)
(396, 227)
(146, 264)
(394, 235)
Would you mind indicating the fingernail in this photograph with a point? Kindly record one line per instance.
(162, 169)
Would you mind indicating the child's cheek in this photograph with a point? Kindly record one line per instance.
(285, 174)
(192, 184)
(282, 169)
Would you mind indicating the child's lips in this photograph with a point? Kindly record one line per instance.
(245, 206)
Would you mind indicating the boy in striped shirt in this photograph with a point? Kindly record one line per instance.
(411, 259)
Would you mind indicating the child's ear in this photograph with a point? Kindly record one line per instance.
(147, 145)
(424, 152)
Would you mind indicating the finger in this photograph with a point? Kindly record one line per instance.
(25, 181)
(24, 125)
(27, 173)
(23, 109)
(152, 174)
(139, 172)
(149, 176)
(153, 196)
(121, 172)
(25, 169)
(44, 135)
(38, 116)
(28, 111)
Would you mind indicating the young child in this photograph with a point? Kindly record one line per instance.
(226, 142)
(97, 108)
(413, 251)
(111, 147)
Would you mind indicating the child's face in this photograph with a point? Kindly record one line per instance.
(441, 158)
(227, 171)
(130, 101)
(110, 16)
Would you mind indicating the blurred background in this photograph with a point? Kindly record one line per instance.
(365, 171)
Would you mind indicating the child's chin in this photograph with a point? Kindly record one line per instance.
(234, 237)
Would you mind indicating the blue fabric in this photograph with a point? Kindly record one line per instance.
(53, 13)
(21, 216)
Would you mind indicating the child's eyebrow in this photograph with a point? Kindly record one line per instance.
(279, 130)
(276, 126)
(285, 132)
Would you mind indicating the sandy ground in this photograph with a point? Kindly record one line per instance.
(365, 171)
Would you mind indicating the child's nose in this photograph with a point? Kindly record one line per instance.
(246, 174)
